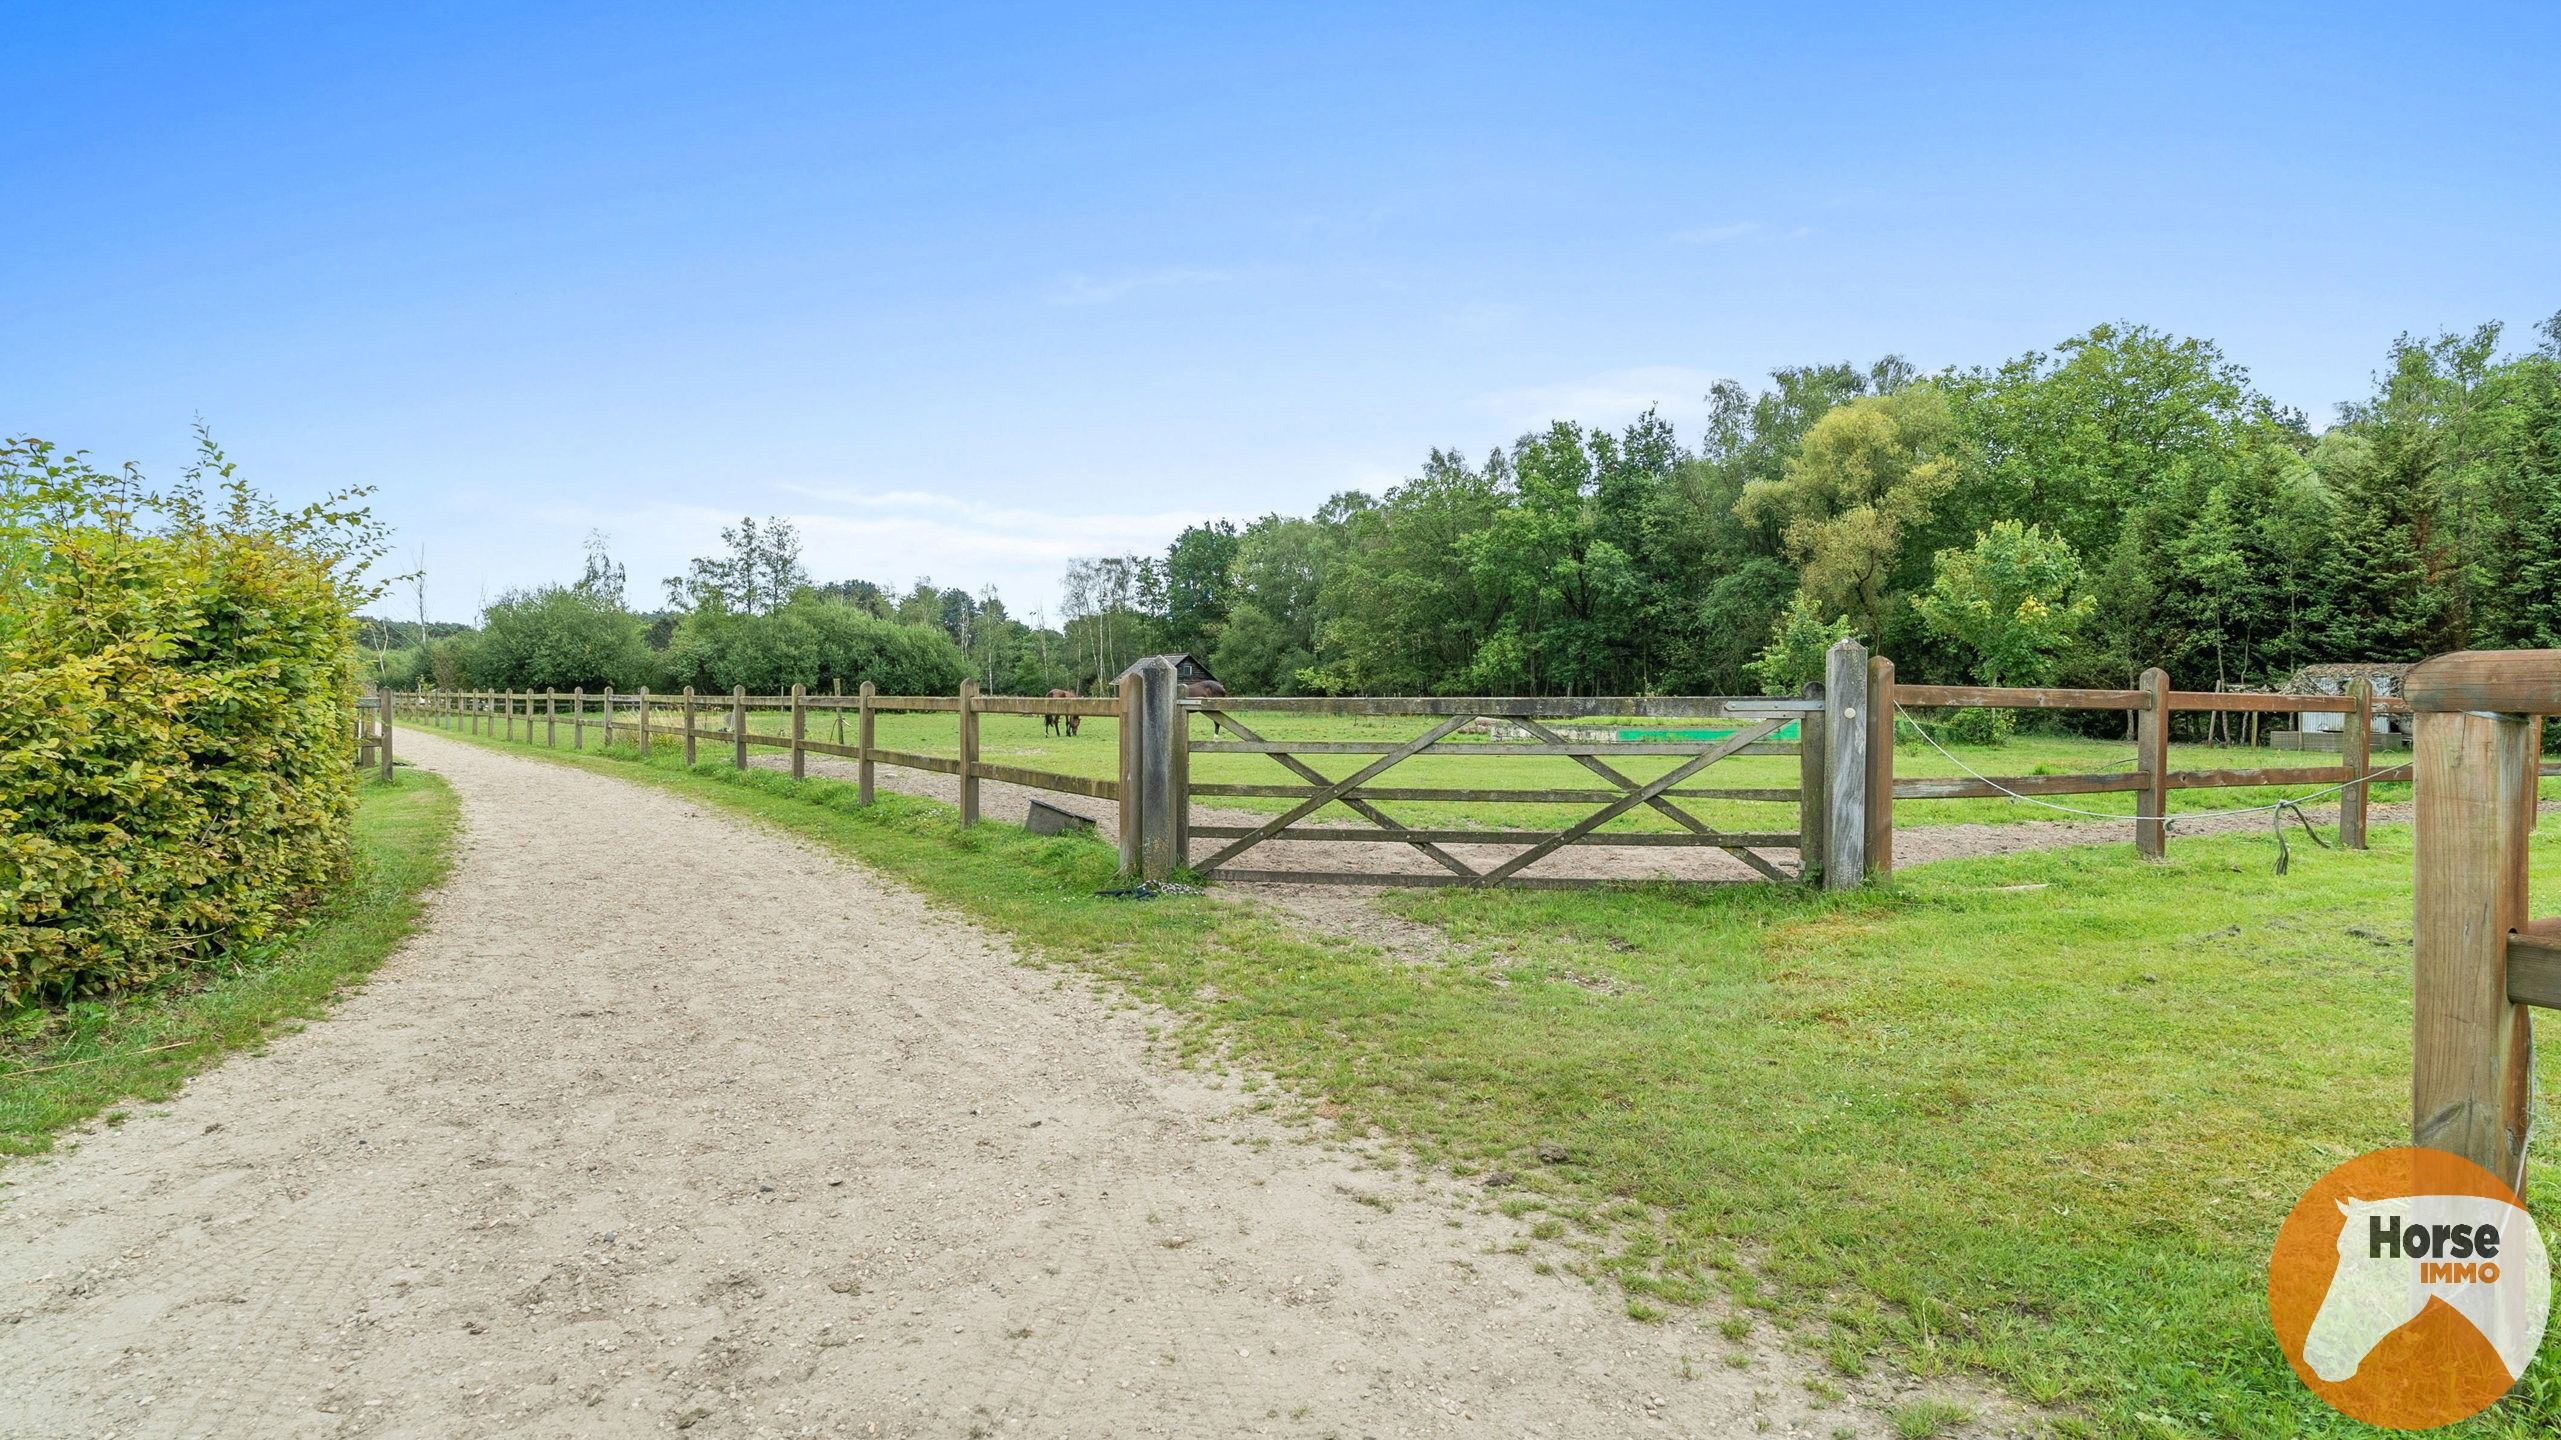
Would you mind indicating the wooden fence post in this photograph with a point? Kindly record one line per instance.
(1844, 766)
(2471, 1083)
(385, 700)
(2152, 752)
(1161, 694)
(863, 733)
(2355, 754)
(799, 733)
(551, 719)
(1133, 777)
(738, 727)
(689, 727)
(578, 719)
(644, 722)
(2478, 963)
(609, 717)
(968, 752)
(838, 687)
(1812, 794)
(1880, 768)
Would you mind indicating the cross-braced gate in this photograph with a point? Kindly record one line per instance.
(1742, 726)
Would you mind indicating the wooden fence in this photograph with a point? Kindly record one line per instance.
(693, 721)
(2151, 704)
(1844, 796)
(1154, 790)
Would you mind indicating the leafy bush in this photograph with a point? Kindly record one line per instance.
(560, 638)
(176, 758)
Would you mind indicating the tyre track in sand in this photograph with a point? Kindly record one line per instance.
(669, 1124)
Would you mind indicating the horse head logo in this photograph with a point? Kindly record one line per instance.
(2479, 1255)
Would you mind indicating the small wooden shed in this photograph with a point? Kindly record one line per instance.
(1188, 669)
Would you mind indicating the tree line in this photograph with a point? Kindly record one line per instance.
(2126, 500)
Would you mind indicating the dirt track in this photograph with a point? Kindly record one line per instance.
(670, 1124)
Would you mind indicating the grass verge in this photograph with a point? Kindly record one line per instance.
(2035, 1117)
(61, 1066)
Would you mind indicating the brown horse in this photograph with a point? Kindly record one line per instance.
(1207, 690)
(1049, 720)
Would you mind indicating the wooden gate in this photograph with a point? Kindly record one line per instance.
(1757, 727)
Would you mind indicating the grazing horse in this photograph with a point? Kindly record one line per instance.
(1207, 690)
(1049, 720)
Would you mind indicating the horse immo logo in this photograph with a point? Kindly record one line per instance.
(2409, 1288)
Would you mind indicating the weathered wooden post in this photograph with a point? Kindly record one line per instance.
(1813, 794)
(738, 727)
(1133, 776)
(1161, 719)
(385, 700)
(689, 727)
(837, 687)
(863, 735)
(2356, 758)
(2152, 762)
(968, 752)
(799, 732)
(551, 719)
(1880, 768)
(1844, 766)
(609, 717)
(2478, 961)
(644, 722)
(578, 719)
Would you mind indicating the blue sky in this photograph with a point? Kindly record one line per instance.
(968, 291)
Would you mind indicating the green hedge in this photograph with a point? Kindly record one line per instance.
(176, 757)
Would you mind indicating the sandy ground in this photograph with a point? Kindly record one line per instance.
(669, 1124)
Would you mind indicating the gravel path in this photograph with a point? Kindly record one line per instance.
(667, 1123)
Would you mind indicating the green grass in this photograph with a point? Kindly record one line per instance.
(1095, 753)
(2033, 1118)
(60, 1066)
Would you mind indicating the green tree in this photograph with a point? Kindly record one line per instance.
(2010, 601)
(1798, 643)
(560, 638)
(1199, 582)
(758, 569)
(1870, 473)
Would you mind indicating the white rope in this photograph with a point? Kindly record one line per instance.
(2166, 821)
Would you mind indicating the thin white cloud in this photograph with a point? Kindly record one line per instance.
(1610, 397)
(1083, 289)
(1717, 234)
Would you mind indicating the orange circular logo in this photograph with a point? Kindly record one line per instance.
(2409, 1288)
